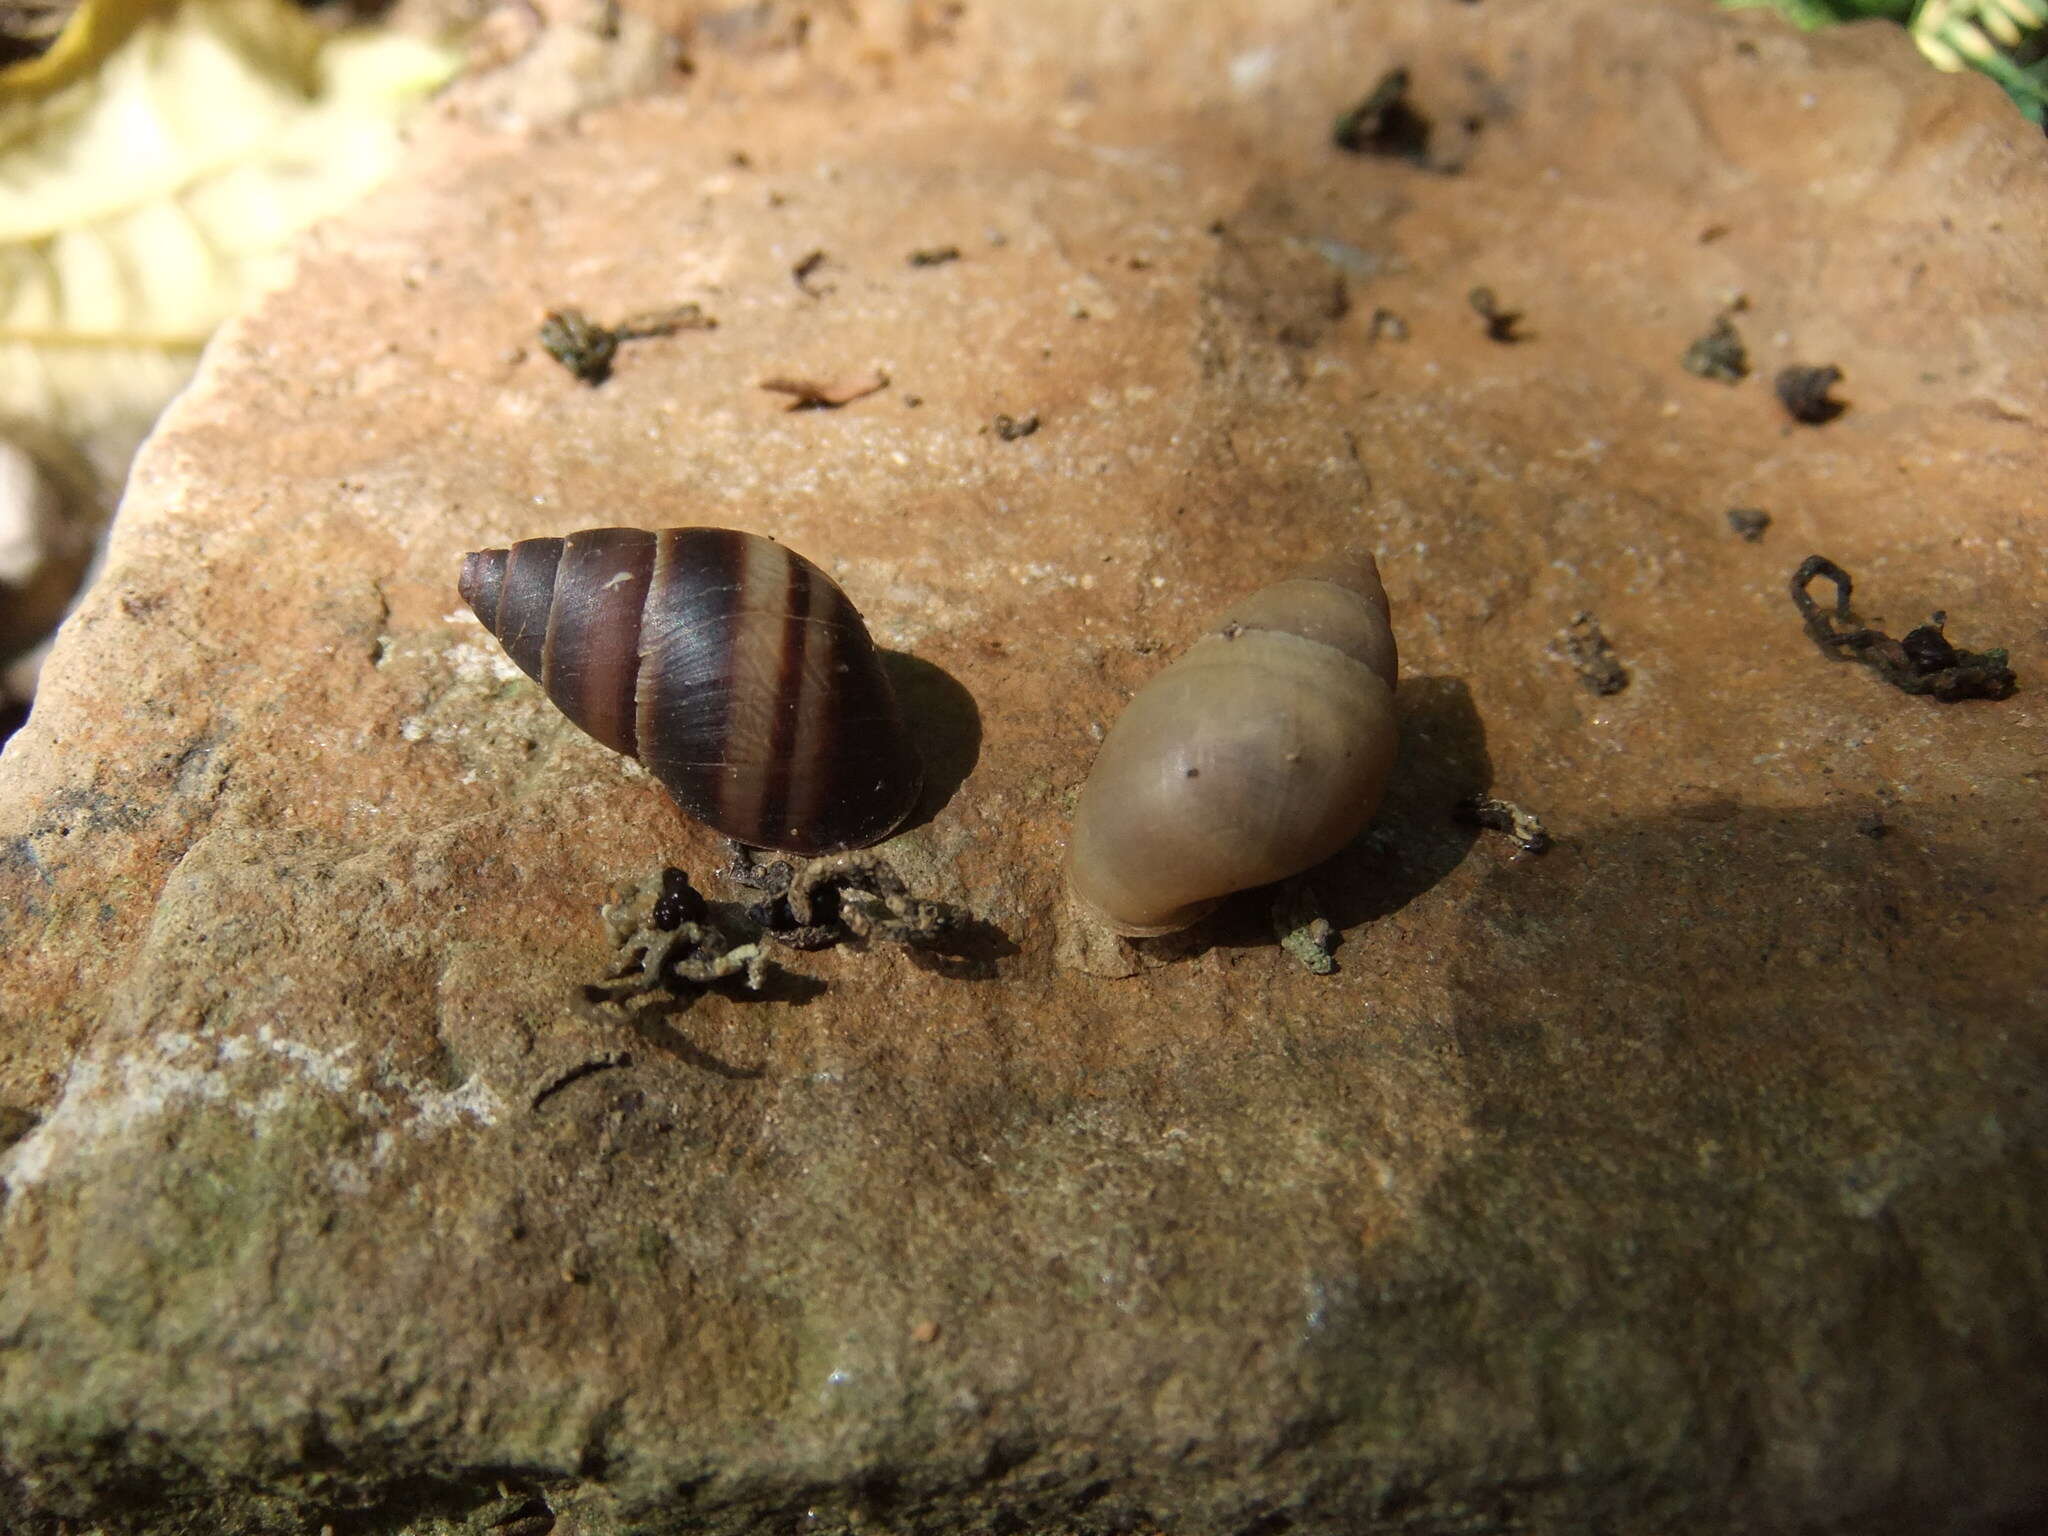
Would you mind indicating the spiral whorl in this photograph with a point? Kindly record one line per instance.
(733, 668)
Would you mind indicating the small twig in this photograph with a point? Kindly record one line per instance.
(827, 394)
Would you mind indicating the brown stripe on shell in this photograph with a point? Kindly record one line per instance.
(870, 768)
(822, 703)
(782, 767)
(525, 601)
(483, 584)
(755, 712)
(685, 666)
(592, 655)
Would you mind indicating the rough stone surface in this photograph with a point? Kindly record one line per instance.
(1686, 1178)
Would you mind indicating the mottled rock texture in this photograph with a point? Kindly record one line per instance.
(1686, 1178)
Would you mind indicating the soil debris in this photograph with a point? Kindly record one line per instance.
(1749, 523)
(837, 899)
(667, 939)
(1384, 123)
(670, 940)
(857, 899)
(1301, 928)
(1525, 827)
(587, 349)
(1718, 355)
(1010, 428)
(1803, 391)
(934, 255)
(1500, 323)
(826, 394)
(805, 269)
(1582, 644)
(1385, 325)
(1920, 662)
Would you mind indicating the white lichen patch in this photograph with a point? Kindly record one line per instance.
(116, 1108)
(476, 666)
(481, 662)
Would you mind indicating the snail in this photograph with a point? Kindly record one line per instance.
(733, 668)
(1256, 755)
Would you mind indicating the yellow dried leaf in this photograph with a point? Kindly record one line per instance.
(154, 165)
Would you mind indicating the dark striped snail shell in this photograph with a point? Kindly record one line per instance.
(733, 668)
(1256, 755)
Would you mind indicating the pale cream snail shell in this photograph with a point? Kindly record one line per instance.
(1256, 755)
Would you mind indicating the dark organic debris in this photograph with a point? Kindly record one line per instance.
(1301, 928)
(934, 255)
(580, 345)
(1384, 123)
(1803, 391)
(1385, 325)
(587, 349)
(1010, 428)
(838, 899)
(826, 394)
(1749, 522)
(669, 940)
(805, 269)
(1582, 644)
(1525, 827)
(1500, 323)
(1921, 662)
(856, 899)
(1719, 354)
